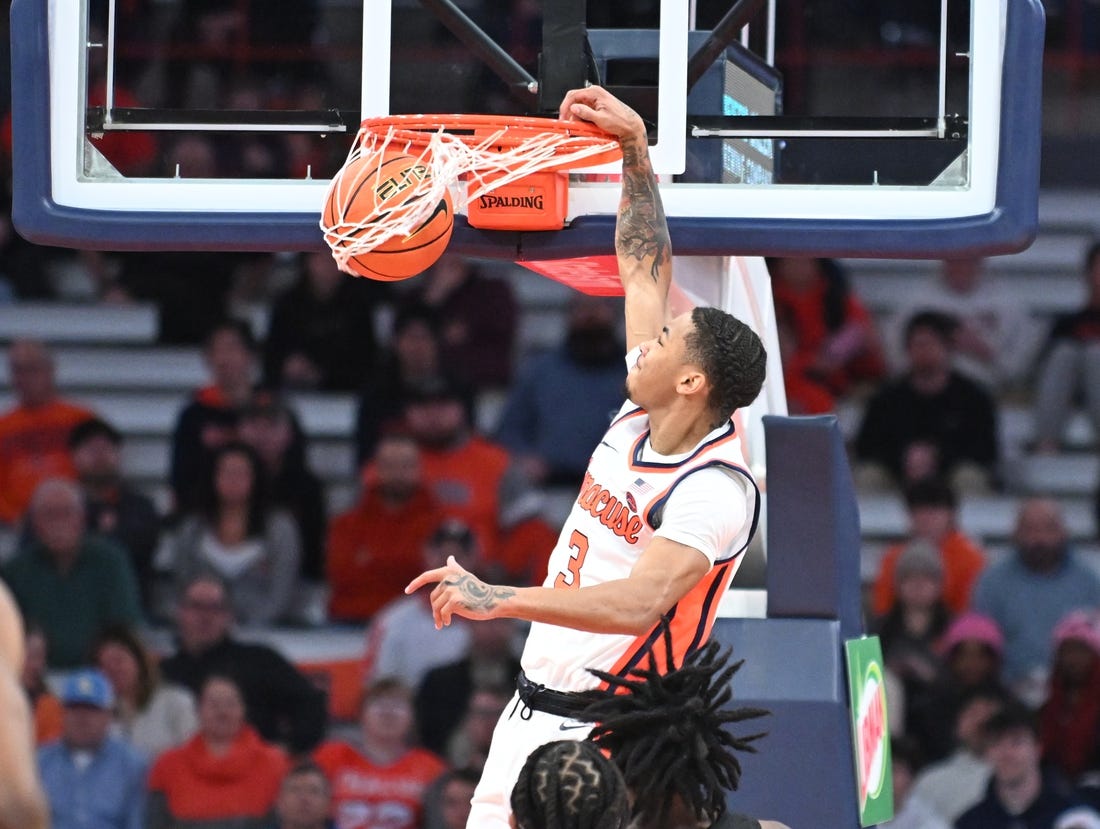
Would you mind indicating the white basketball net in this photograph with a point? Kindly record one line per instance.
(485, 164)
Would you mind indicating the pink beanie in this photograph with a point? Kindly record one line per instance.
(971, 626)
(1081, 625)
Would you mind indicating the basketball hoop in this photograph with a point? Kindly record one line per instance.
(514, 170)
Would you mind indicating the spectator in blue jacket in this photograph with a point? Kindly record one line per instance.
(92, 779)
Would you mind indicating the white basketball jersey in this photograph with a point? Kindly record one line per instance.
(611, 523)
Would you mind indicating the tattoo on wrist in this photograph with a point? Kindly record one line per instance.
(477, 595)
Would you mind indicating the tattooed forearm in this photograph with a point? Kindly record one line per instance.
(477, 595)
(641, 232)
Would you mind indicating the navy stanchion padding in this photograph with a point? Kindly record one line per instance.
(804, 773)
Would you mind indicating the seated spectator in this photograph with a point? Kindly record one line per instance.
(994, 340)
(972, 652)
(954, 784)
(1020, 793)
(209, 421)
(468, 745)
(444, 695)
(933, 517)
(570, 784)
(807, 394)
(46, 707)
(402, 641)
(256, 549)
(152, 715)
(282, 704)
(1070, 365)
(910, 810)
(471, 477)
(305, 799)
(525, 541)
(929, 421)
(1069, 724)
(477, 317)
(268, 425)
(226, 775)
(374, 549)
(914, 625)
(553, 442)
(837, 344)
(1043, 574)
(411, 362)
(91, 778)
(69, 581)
(382, 780)
(447, 802)
(114, 508)
(321, 334)
(34, 434)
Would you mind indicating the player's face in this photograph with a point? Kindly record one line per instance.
(653, 379)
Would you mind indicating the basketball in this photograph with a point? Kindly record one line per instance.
(386, 184)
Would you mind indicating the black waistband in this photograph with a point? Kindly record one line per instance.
(540, 698)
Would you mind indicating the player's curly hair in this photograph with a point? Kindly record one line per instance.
(570, 784)
(730, 355)
(665, 732)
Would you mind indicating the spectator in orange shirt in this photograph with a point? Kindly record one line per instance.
(34, 435)
(932, 514)
(473, 478)
(224, 774)
(45, 704)
(383, 781)
(374, 548)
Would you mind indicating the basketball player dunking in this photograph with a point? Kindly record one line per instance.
(666, 508)
(22, 803)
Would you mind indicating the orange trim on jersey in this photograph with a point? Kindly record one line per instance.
(689, 621)
(638, 465)
(662, 496)
(627, 416)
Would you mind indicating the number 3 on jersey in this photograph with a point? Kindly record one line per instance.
(578, 542)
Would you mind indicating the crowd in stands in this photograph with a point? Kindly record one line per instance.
(993, 661)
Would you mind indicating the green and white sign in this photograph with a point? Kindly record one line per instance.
(870, 734)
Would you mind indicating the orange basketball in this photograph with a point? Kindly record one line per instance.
(374, 183)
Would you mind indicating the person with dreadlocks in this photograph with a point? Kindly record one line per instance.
(667, 506)
(569, 784)
(667, 733)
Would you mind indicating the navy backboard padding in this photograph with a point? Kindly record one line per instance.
(803, 773)
(813, 523)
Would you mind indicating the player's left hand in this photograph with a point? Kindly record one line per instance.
(458, 592)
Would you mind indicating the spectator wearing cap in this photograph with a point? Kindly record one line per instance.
(471, 476)
(933, 513)
(374, 548)
(92, 780)
(952, 785)
(972, 652)
(1020, 794)
(281, 703)
(269, 426)
(209, 420)
(235, 532)
(34, 433)
(402, 641)
(67, 580)
(412, 360)
(553, 442)
(1069, 724)
(1044, 575)
(931, 421)
(114, 509)
(914, 625)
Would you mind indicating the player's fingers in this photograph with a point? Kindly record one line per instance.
(565, 111)
(427, 577)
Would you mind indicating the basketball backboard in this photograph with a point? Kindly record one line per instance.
(148, 126)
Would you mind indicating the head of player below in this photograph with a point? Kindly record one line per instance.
(705, 362)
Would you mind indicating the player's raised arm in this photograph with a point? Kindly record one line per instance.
(642, 241)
